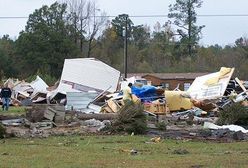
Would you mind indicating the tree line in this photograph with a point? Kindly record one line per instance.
(75, 28)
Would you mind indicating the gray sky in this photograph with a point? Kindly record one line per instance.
(218, 30)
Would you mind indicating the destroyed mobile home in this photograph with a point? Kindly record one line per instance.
(90, 90)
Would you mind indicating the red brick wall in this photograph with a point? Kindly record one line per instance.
(155, 81)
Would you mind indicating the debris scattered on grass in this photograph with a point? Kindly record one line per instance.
(197, 166)
(180, 152)
(5, 153)
(156, 139)
(2, 131)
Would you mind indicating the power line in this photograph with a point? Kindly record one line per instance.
(143, 16)
(224, 15)
(13, 17)
(202, 15)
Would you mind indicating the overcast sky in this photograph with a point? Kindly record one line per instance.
(218, 30)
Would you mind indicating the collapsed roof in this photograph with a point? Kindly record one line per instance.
(211, 86)
(86, 74)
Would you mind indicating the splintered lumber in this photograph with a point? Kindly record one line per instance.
(9, 117)
(241, 85)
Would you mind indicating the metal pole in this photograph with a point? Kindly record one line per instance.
(81, 35)
(125, 49)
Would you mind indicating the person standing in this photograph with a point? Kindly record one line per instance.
(5, 95)
(127, 93)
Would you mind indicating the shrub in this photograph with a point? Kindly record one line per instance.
(161, 125)
(2, 131)
(234, 114)
(130, 119)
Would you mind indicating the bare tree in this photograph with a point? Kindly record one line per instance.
(87, 20)
(95, 23)
(79, 12)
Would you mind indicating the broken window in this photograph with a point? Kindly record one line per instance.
(165, 85)
(186, 86)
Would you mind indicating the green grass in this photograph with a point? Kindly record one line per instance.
(13, 110)
(112, 151)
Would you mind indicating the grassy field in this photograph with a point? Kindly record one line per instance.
(114, 151)
(13, 110)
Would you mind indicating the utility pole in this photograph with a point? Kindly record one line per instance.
(190, 29)
(125, 49)
(81, 34)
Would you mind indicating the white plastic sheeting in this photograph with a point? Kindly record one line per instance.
(86, 74)
(235, 128)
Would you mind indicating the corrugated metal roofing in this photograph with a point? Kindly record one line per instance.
(79, 100)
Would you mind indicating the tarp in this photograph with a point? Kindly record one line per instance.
(145, 93)
(86, 74)
(211, 86)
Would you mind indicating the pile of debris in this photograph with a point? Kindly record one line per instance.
(89, 89)
(24, 93)
(45, 120)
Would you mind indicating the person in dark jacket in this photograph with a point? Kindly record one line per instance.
(5, 95)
